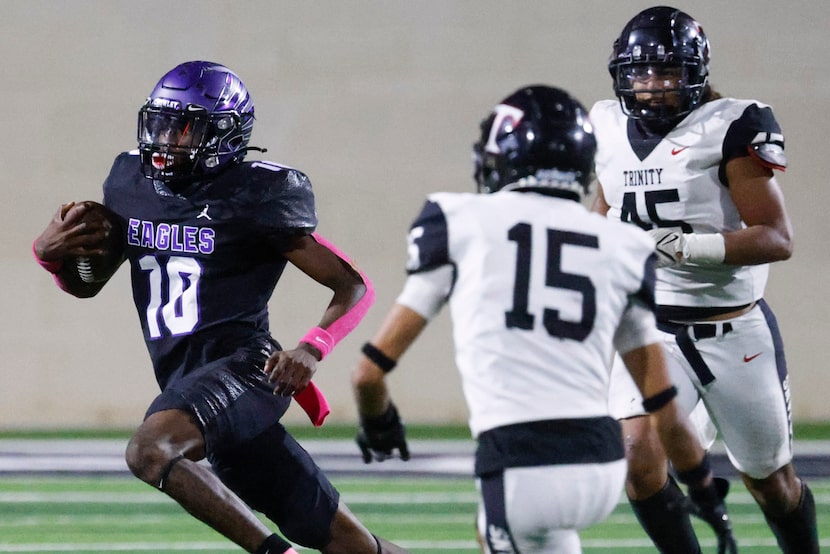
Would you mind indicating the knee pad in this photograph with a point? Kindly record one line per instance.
(275, 476)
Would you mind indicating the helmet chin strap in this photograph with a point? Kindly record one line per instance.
(256, 148)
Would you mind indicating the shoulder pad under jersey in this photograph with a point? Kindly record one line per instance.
(756, 133)
(281, 197)
(125, 175)
(427, 241)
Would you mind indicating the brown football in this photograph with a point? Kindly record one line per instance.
(98, 268)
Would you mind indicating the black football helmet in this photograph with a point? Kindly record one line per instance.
(660, 41)
(539, 137)
(197, 120)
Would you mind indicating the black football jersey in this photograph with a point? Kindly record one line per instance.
(205, 263)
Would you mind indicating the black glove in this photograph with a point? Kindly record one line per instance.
(379, 436)
(708, 504)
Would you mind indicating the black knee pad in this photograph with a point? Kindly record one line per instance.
(274, 475)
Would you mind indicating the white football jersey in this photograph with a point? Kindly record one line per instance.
(541, 285)
(679, 181)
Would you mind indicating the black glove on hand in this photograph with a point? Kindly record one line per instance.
(707, 503)
(379, 436)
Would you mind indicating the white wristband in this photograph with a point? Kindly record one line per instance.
(704, 249)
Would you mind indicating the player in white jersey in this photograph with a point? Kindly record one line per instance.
(541, 291)
(696, 170)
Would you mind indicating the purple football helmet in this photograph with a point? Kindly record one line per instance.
(196, 122)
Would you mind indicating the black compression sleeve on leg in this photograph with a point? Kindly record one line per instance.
(696, 475)
(666, 522)
(273, 545)
(796, 532)
(248, 470)
(167, 469)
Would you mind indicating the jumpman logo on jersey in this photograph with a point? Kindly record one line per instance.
(204, 213)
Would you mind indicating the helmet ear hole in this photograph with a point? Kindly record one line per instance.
(236, 143)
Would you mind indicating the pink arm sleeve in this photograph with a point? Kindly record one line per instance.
(348, 321)
(54, 268)
(311, 399)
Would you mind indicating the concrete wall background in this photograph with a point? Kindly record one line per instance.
(378, 102)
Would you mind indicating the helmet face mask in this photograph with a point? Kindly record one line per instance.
(660, 65)
(655, 91)
(196, 122)
(537, 138)
(171, 140)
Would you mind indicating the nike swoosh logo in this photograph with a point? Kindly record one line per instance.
(676, 151)
(750, 358)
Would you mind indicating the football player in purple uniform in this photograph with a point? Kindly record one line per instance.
(696, 170)
(208, 236)
(541, 292)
